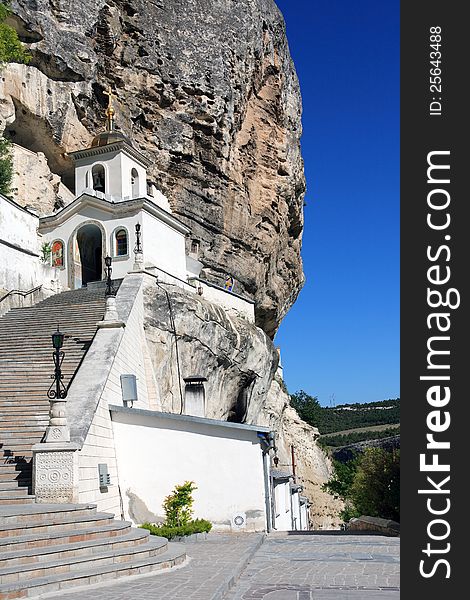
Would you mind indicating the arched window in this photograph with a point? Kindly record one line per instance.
(98, 176)
(57, 254)
(121, 242)
(134, 183)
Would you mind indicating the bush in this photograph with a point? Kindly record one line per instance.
(196, 526)
(369, 484)
(11, 49)
(178, 505)
(375, 490)
(178, 511)
(6, 167)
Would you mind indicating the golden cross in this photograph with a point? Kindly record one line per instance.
(110, 112)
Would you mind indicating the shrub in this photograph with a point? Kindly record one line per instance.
(6, 167)
(11, 49)
(178, 505)
(369, 484)
(196, 526)
(46, 253)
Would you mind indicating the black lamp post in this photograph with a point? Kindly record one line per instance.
(110, 291)
(138, 243)
(57, 389)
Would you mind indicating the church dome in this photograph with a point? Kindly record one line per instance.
(109, 137)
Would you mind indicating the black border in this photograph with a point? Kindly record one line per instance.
(422, 133)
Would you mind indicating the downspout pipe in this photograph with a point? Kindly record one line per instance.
(267, 444)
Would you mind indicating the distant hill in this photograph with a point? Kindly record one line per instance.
(351, 423)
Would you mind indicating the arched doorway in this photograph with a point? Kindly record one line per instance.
(87, 255)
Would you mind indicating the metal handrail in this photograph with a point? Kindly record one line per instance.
(23, 293)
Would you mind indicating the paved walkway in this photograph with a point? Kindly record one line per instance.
(300, 567)
(322, 567)
(210, 572)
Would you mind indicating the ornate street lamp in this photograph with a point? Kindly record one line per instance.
(57, 389)
(138, 252)
(57, 431)
(110, 291)
(138, 243)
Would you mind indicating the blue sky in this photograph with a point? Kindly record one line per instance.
(340, 341)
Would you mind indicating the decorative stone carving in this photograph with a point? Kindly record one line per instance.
(55, 473)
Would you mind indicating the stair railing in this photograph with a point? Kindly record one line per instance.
(23, 293)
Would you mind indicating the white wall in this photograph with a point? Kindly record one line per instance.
(163, 246)
(295, 503)
(155, 453)
(304, 516)
(117, 167)
(113, 350)
(99, 448)
(283, 521)
(20, 267)
(130, 358)
(233, 304)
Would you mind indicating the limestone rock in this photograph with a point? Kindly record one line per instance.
(34, 185)
(239, 361)
(208, 91)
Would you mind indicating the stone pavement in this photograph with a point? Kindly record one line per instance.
(297, 567)
(213, 566)
(322, 567)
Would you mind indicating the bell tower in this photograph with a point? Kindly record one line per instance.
(111, 168)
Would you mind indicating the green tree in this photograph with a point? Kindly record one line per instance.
(178, 505)
(342, 479)
(6, 167)
(308, 407)
(11, 49)
(375, 490)
(369, 484)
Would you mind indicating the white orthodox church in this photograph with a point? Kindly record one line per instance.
(118, 219)
(112, 199)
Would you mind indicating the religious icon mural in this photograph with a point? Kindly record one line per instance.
(57, 253)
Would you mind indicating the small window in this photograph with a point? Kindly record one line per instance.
(57, 254)
(194, 248)
(134, 183)
(98, 178)
(121, 242)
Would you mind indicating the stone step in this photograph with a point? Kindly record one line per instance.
(114, 531)
(24, 432)
(12, 485)
(70, 524)
(150, 548)
(18, 500)
(10, 422)
(82, 577)
(17, 444)
(13, 493)
(133, 538)
(15, 477)
(44, 511)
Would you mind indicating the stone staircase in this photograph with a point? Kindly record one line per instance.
(26, 366)
(50, 547)
(43, 547)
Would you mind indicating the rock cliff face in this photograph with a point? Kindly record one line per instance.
(208, 90)
(240, 362)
